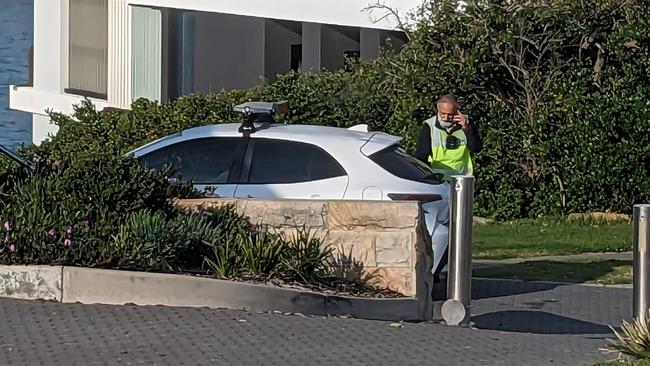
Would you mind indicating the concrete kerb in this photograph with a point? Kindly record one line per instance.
(100, 286)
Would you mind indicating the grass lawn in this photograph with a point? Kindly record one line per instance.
(606, 272)
(532, 238)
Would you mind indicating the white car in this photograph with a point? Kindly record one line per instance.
(277, 161)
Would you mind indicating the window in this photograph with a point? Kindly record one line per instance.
(281, 161)
(296, 57)
(205, 161)
(397, 162)
(88, 48)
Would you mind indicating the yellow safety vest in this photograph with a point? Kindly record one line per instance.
(448, 161)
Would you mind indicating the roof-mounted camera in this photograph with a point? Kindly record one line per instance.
(259, 112)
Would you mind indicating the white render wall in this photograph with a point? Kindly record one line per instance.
(119, 54)
(50, 52)
(338, 12)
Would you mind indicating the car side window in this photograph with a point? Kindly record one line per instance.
(400, 164)
(205, 161)
(282, 161)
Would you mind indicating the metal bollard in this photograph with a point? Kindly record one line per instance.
(455, 311)
(641, 271)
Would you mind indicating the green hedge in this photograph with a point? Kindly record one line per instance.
(560, 90)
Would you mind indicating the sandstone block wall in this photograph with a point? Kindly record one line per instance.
(385, 241)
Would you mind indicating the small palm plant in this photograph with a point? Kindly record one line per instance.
(633, 340)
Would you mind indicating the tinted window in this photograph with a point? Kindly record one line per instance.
(276, 161)
(397, 162)
(205, 161)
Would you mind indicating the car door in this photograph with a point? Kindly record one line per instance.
(285, 169)
(210, 162)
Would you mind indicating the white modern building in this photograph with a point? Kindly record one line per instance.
(115, 51)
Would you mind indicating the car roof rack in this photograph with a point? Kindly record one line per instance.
(258, 112)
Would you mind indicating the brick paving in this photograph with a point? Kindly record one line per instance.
(519, 324)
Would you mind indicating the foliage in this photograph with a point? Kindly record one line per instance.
(103, 210)
(306, 258)
(633, 340)
(10, 175)
(560, 90)
(66, 213)
(148, 240)
(264, 255)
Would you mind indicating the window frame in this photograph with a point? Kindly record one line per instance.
(234, 174)
(250, 153)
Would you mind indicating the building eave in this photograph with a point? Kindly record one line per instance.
(352, 13)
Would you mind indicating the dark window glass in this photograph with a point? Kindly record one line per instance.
(397, 162)
(202, 160)
(281, 161)
(296, 57)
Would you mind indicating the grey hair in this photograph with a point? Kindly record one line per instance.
(448, 98)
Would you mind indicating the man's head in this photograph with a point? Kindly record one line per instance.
(447, 109)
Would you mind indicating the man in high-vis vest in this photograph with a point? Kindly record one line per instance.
(447, 139)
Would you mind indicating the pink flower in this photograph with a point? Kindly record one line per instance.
(67, 242)
(69, 230)
(12, 248)
(6, 238)
(7, 225)
(84, 222)
(52, 232)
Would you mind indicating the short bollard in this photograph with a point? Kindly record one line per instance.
(455, 310)
(641, 271)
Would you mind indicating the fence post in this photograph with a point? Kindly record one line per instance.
(455, 310)
(641, 227)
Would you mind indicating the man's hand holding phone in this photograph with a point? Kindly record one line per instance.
(461, 120)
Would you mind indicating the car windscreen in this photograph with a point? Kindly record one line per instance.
(397, 162)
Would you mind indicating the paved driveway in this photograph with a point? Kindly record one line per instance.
(520, 324)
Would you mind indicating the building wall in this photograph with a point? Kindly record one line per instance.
(50, 48)
(277, 44)
(334, 44)
(229, 52)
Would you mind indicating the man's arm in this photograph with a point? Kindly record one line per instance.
(474, 143)
(423, 149)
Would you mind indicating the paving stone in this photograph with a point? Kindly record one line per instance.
(519, 324)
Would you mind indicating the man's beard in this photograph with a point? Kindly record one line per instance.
(444, 123)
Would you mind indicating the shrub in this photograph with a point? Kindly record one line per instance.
(67, 213)
(10, 175)
(263, 255)
(307, 258)
(634, 341)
